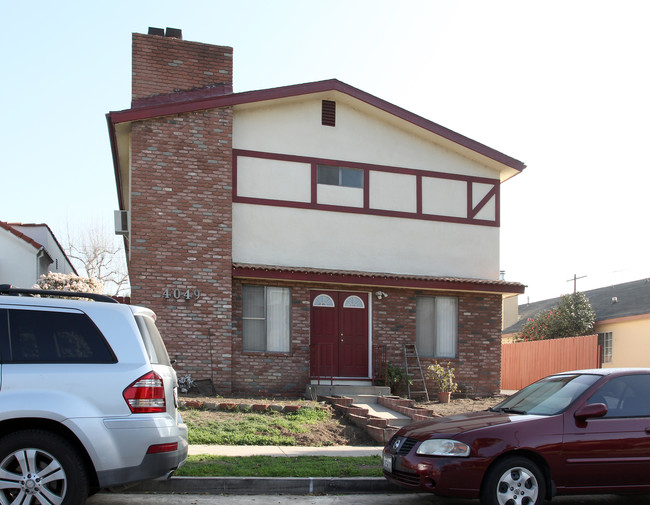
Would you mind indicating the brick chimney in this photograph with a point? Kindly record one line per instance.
(181, 202)
(164, 63)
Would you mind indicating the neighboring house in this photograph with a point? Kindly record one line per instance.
(304, 233)
(28, 251)
(622, 322)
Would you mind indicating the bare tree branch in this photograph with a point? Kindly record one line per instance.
(94, 253)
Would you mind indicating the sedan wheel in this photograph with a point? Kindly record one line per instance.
(40, 467)
(514, 481)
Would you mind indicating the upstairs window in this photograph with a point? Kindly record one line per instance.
(340, 176)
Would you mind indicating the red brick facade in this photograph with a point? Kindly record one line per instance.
(478, 366)
(180, 244)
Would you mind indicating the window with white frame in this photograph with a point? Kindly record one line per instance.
(266, 318)
(605, 343)
(437, 326)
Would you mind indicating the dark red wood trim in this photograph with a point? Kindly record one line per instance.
(116, 159)
(173, 106)
(366, 190)
(490, 194)
(366, 209)
(363, 166)
(234, 178)
(314, 183)
(350, 279)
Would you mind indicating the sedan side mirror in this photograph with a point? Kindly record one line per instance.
(591, 410)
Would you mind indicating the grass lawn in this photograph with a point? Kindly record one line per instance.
(307, 426)
(249, 428)
(280, 466)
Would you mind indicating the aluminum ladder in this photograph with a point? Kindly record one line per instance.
(414, 373)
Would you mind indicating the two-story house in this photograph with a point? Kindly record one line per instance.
(28, 251)
(303, 233)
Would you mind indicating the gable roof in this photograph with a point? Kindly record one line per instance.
(611, 302)
(209, 98)
(24, 232)
(20, 235)
(222, 96)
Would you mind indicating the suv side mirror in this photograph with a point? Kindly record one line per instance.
(591, 410)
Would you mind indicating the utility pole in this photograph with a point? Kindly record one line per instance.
(575, 281)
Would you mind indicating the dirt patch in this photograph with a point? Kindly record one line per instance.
(461, 405)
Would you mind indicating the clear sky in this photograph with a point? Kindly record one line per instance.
(563, 86)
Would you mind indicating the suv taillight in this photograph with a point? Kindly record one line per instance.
(146, 395)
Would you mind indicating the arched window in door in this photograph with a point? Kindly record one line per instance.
(354, 302)
(323, 301)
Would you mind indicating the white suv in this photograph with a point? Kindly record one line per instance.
(88, 397)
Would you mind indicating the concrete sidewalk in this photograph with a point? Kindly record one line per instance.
(285, 450)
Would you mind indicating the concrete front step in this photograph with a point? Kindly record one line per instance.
(315, 390)
(380, 416)
(375, 410)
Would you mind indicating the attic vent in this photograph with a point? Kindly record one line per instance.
(328, 117)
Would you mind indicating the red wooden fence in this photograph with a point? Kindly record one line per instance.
(526, 362)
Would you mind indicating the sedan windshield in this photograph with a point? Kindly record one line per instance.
(548, 396)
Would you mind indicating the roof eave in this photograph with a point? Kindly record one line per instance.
(375, 280)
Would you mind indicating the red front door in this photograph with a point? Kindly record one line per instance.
(339, 334)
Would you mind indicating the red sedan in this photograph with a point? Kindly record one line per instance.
(583, 432)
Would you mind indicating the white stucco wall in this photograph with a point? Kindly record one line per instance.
(346, 240)
(362, 133)
(18, 263)
(302, 237)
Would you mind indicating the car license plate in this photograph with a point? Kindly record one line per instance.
(388, 463)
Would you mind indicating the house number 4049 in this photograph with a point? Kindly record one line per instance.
(178, 294)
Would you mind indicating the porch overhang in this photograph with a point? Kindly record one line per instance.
(375, 279)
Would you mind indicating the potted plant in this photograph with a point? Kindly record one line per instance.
(443, 377)
(397, 379)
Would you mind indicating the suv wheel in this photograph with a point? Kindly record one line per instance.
(43, 468)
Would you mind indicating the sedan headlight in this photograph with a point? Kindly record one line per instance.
(443, 447)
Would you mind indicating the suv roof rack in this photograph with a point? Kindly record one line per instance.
(8, 289)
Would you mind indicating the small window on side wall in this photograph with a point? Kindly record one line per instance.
(266, 320)
(340, 176)
(605, 343)
(437, 326)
